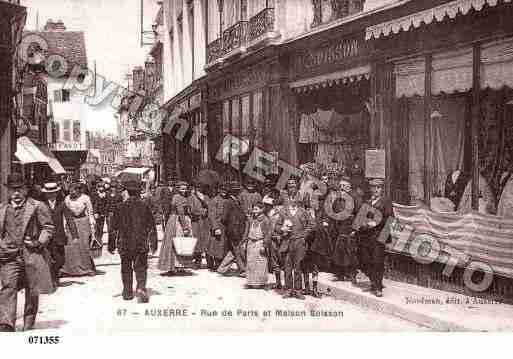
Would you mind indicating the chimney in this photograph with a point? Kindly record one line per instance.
(54, 26)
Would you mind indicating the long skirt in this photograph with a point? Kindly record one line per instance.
(345, 253)
(78, 259)
(201, 229)
(256, 270)
(168, 260)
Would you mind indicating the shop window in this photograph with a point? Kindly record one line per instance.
(258, 123)
(236, 125)
(245, 116)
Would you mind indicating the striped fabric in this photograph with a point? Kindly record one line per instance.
(483, 238)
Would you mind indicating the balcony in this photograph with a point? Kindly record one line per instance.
(261, 23)
(242, 35)
(234, 37)
(214, 50)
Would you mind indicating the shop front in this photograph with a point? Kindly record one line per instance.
(247, 109)
(332, 95)
(71, 155)
(450, 136)
(184, 148)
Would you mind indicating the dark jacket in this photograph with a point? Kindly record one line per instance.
(135, 227)
(101, 205)
(58, 214)
(234, 219)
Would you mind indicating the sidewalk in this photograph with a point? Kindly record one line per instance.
(438, 310)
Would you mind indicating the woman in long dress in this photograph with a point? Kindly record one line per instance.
(78, 259)
(178, 225)
(258, 234)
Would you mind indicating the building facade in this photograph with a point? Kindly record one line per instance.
(12, 23)
(66, 62)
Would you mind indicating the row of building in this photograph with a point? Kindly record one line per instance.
(425, 84)
(44, 112)
(318, 81)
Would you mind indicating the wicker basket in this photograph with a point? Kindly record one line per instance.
(184, 246)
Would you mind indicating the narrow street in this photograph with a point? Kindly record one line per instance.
(197, 301)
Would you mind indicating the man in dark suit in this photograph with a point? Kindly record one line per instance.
(26, 227)
(136, 235)
(234, 221)
(370, 221)
(58, 211)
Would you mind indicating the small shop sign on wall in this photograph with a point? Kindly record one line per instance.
(375, 164)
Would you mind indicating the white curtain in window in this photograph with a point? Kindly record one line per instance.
(409, 77)
(497, 64)
(254, 7)
(231, 14)
(448, 142)
(213, 20)
(452, 71)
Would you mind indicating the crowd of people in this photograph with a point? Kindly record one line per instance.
(251, 230)
(254, 231)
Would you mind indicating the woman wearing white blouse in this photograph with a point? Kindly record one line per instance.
(79, 261)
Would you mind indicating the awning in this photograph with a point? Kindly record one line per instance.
(53, 162)
(334, 78)
(412, 21)
(27, 152)
(136, 170)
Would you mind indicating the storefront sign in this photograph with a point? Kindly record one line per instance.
(241, 80)
(375, 164)
(334, 53)
(67, 146)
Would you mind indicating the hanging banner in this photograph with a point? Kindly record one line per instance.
(375, 164)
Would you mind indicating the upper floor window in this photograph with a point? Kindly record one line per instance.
(61, 95)
(328, 10)
(66, 130)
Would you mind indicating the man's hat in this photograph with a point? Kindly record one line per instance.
(181, 183)
(376, 182)
(132, 186)
(15, 180)
(50, 187)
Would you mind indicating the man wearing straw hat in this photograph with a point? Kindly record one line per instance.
(58, 210)
(137, 234)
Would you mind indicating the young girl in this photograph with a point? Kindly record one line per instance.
(258, 237)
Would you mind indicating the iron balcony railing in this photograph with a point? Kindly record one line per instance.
(261, 23)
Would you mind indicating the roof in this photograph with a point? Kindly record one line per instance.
(68, 44)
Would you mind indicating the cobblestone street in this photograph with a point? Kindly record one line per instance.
(193, 302)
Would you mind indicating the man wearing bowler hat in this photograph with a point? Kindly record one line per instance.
(58, 211)
(26, 227)
(136, 235)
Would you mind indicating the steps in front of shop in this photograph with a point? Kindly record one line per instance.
(434, 309)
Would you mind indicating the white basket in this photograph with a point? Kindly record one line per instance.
(184, 246)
